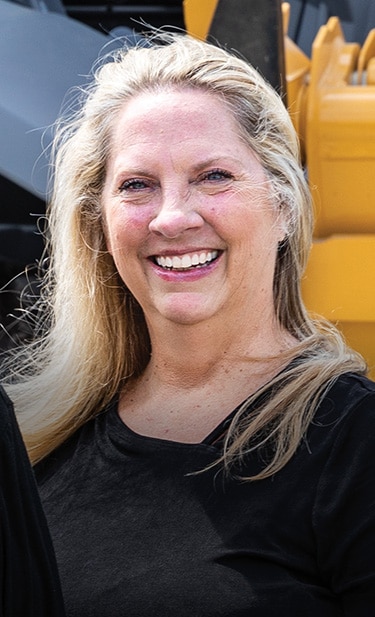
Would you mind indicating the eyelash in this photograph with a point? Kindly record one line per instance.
(226, 175)
(132, 183)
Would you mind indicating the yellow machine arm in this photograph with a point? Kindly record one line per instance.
(331, 100)
(332, 104)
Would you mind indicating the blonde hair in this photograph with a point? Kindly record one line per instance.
(92, 337)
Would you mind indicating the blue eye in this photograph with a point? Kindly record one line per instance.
(217, 175)
(134, 184)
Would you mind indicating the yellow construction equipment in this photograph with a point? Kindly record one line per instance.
(331, 100)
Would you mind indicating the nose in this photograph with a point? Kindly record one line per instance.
(175, 215)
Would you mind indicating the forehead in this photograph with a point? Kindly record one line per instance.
(172, 107)
(176, 118)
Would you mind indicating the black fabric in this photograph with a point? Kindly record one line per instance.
(29, 584)
(136, 534)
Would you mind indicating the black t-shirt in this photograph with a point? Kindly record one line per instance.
(29, 585)
(137, 533)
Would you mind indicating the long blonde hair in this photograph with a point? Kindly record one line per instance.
(91, 333)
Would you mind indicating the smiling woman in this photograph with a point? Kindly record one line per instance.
(178, 398)
(192, 194)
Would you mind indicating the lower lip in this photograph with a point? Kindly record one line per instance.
(186, 275)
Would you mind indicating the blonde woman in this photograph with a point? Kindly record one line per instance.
(202, 446)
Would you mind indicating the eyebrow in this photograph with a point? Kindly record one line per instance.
(219, 160)
(215, 160)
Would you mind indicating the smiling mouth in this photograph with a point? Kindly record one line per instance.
(187, 261)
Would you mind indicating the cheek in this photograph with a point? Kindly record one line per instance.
(125, 228)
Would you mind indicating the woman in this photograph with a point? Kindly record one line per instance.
(203, 446)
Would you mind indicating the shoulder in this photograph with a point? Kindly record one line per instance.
(57, 459)
(81, 446)
(344, 424)
(345, 418)
(352, 385)
(348, 393)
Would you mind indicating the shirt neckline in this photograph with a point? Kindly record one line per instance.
(212, 441)
(123, 438)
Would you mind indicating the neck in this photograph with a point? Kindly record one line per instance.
(189, 355)
(197, 375)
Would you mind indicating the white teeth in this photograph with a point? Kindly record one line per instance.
(202, 257)
(186, 261)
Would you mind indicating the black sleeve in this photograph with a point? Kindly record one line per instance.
(29, 584)
(344, 513)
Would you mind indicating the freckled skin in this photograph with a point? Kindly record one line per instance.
(180, 180)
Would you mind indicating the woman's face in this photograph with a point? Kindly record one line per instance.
(188, 213)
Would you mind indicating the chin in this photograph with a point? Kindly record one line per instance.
(186, 311)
